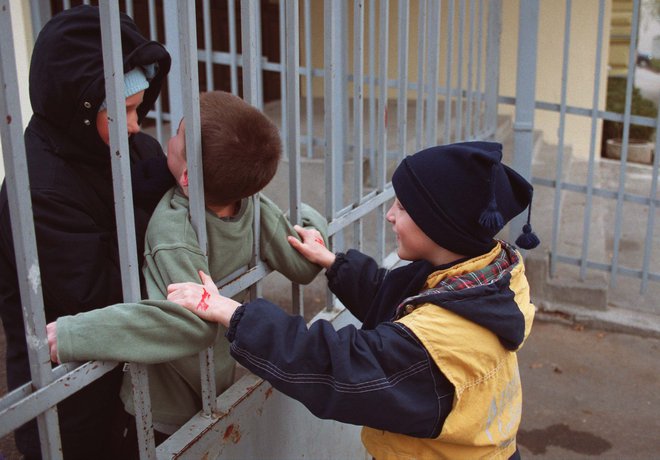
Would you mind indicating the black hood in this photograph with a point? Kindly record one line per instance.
(67, 84)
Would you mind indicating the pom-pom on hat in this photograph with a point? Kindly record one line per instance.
(135, 81)
(460, 195)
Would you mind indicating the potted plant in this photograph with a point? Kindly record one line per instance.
(640, 138)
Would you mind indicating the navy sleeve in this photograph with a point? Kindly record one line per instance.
(355, 279)
(381, 378)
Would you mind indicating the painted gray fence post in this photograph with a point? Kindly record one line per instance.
(40, 14)
(27, 262)
(292, 116)
(492, 67)
(523, 126)
(174, 77)
(113, 70)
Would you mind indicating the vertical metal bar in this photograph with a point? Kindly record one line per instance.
(650, 223)
(592, 144)
(129, 7)
(292, 95)
(449, 64)
(345, 114)
(432, 63)
(309, 98)
(251, 93)
(208, 44)
(66, 4)
(478, 123)
(372, 92)
(421, 61)
(153, 34)
(333, 111)
(25, 246)
(624, 144)
(338, 242)
(40, 13)
(121, 181)
(560, 148)
(190, 93)
(469, 130)
(284, 71)
(459, 72)
(173, 78)
(358, 107)
(523, 126)
(250, 53)
(257, 32)
(384, 21)
(121, 170)
(233, 54)
(402, 101)
(493, 65)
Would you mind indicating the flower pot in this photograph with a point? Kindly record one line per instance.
(639, 151)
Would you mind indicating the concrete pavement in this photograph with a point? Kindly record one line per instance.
(589, 394)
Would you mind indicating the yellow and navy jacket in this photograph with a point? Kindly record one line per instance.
(431, 374)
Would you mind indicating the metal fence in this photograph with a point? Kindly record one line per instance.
(618, 199)
(367, 122)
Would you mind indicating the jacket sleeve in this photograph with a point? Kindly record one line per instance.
(276, 250)
(355, 278)
(382, 378)
(151, 331)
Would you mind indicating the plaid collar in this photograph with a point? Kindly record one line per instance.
(502, 264)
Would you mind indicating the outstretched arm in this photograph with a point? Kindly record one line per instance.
(150, 331)
(382, 378)
(275, 248)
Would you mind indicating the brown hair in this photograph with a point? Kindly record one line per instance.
(241, 148)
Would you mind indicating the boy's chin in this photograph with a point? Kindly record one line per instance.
(403, 256)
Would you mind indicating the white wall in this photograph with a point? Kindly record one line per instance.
(649, 29)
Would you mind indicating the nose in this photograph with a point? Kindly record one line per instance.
(390, 215)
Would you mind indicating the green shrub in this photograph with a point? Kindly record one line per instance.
(655, 65)
(616, 100)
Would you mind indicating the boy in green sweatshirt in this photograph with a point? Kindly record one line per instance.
(241, 149)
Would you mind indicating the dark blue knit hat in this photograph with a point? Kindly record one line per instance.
(461, 195)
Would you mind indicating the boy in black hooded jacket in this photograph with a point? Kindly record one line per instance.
(72, 199)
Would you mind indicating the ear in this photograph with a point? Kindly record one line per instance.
(183, 180)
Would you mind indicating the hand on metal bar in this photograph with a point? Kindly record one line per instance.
(312, 246)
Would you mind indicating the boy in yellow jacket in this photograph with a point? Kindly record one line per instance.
(433, 372)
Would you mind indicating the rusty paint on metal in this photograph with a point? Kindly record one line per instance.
(269, 392)
(9, 119)
(232, 434)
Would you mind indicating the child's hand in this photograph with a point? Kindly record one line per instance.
(312, 246)
(203, 299)
(51, 332)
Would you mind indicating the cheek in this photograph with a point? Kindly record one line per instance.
(102, 126)
(171, 163)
